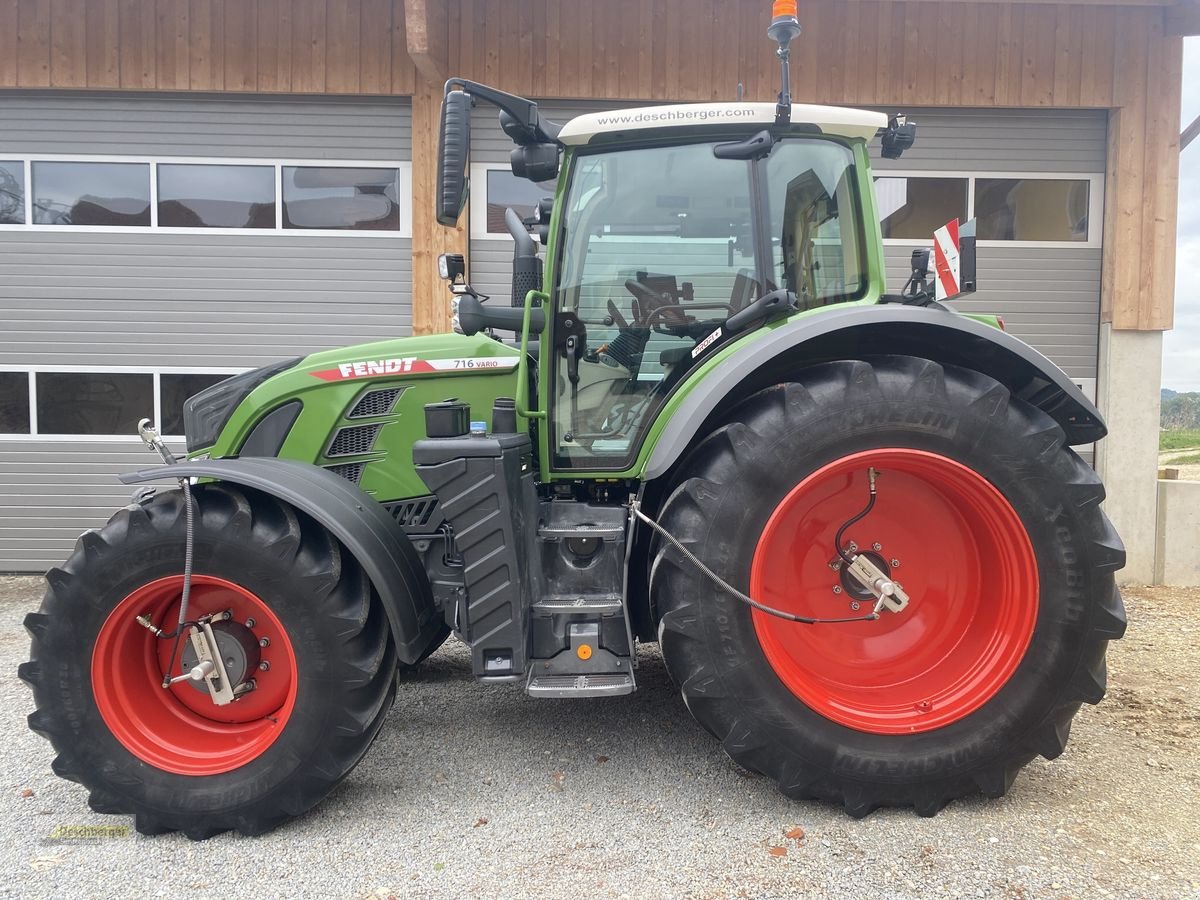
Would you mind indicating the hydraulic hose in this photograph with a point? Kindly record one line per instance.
(734, 592)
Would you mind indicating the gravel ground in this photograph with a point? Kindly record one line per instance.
(480, 790)
(1188, 471)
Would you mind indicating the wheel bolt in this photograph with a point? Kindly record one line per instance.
(837, 588)
(250, 623)
(264, 642)
(855, 605)
(264, 666)
(877, 546)
(895, 563)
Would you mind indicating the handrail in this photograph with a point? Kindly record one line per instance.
(523, 365)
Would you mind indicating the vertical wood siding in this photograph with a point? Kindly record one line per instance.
(297, 46)
(887, 53)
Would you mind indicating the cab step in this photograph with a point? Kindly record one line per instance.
(592, 606)
(599, 685)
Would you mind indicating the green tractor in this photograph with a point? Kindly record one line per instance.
(853, 520)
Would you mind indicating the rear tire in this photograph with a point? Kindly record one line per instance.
(843, 726)
(169, 757)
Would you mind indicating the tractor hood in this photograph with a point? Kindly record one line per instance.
(348, 408)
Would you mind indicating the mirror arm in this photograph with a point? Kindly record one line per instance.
(525, 112)
(474, 316)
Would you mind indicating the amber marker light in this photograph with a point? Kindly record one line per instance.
(784, 9)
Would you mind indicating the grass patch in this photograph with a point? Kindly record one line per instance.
(1183, 439)
(1192, 460)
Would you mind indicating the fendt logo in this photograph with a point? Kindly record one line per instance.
(371, 368)
(368, 368)
(377, 367)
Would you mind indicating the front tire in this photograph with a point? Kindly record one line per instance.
(170, 757)
(987, 519)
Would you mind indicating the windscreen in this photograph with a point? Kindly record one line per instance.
(658, 251)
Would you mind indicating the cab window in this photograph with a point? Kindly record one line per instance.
(658, 252)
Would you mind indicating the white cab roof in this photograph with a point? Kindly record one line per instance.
(850, 123)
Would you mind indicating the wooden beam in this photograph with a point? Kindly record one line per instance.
(426, 30)
(1140, 195)
(1182, 19)
(430, 297)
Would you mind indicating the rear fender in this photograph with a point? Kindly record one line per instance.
(361, 524)
(873, 330)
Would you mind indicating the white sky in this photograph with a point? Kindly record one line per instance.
(1181, 347)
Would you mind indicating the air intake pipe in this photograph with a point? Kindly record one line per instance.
(527, 265)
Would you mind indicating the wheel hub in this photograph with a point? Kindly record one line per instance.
(239, 650)
(854, 588)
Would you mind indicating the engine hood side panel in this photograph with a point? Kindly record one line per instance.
(329, 385)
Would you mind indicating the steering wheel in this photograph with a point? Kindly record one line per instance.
(651, 307)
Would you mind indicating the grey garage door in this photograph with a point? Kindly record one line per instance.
(1032, 178)
(151, 244)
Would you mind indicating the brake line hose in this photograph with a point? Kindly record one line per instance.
(150, 438)
(734, 592)
(188, 541)
(837, 540)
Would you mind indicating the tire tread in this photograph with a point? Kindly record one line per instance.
(281, 534)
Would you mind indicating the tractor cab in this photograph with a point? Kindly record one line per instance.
(677, 230)
(674, 239)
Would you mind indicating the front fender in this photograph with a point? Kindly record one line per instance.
(361, 524)
(872, 330)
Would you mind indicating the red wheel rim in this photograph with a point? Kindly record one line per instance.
(965, 561)
(180, 729)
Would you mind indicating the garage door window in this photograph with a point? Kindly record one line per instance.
(175, 389)
(14, 403)
(1032, 209)
(90, 193)
(1040, 210)
(182, 195)
(199, 196)
(915, 207)
(504, 190)
(341, 198)
(105, 404)
(12, 192)
(88, 403)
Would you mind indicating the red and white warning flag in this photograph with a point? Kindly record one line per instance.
(946, 260)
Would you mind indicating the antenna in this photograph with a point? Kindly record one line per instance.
(784, 29)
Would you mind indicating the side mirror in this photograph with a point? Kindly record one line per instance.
(454, 145)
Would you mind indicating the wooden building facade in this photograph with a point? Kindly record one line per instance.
(1111, 66)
